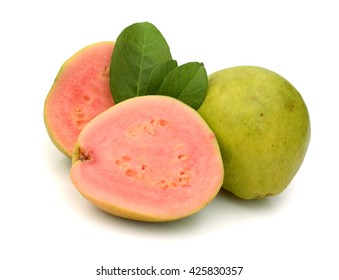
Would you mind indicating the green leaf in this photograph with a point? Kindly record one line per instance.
(187, 83)
(138, 50)
(158, 75)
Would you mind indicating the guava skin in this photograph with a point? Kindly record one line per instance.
(262, 126)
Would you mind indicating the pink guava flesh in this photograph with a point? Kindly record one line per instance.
(79, 93)
(150, 158)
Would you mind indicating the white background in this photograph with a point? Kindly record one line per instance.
(49, 231)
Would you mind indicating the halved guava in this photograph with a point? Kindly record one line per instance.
(79, 92)
(149, 158)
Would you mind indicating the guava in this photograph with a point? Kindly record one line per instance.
(263, 129)
(148, 158)
(80, 92)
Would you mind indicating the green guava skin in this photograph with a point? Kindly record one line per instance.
(262, 126)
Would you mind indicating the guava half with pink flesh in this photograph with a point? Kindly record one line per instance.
(79, 93)
(149, 158)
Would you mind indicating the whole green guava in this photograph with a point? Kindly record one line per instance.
(262, 126)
